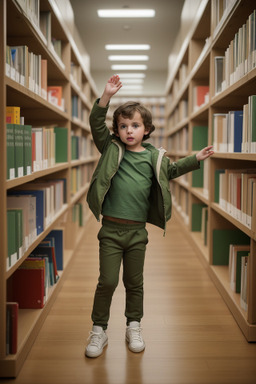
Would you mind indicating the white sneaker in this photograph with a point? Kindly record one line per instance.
(98, 340)
(134, 337)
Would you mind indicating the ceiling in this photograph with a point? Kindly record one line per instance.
(160, 32)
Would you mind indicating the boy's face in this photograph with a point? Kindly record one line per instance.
(131, 132)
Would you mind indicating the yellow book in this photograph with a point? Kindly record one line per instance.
(12, 115)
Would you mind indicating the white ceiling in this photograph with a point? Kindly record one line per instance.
(160, 32)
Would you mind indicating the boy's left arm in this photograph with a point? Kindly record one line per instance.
(189, 163)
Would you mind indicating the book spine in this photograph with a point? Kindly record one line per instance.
(10, 171)
(19, 150)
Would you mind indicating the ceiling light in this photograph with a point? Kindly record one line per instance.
(127, 12)
(132, 87)
(133, 75)
(131, 81)
(127, 47)
(128, 58)
(132, 67)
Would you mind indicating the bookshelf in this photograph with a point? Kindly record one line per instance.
(45, 34)
(220, 29)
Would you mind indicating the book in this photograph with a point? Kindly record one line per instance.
(200, 95)
(40, 205)
(196, 220)
(199, 137)
(217, 174)
(218, 74)
(11, 239)
(27, 145)
(55, 95)
(235, 131)
(221, 240)
(244, 279)
(61, 144)
(19, 150)
(12, 115)
(49, 252)
(19, 287)
(12, 311)
(235, 254)
(57, 236)
(10, 152)
(28, 205)
(198, 177)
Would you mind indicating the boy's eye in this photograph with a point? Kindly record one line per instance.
(123, 126)
(135, 125)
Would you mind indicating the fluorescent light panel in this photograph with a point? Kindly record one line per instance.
(132, 81)
(126, 12)
(137, 87)
(129, 67)
(128, 57)
(133, 76)
(127, 47)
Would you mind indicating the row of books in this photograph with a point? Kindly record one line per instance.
(78, 111)
(30, 209)
(219, 11)
(30, 70)
(31, 149)
(239, 58)
(80, 176)
(178, 142)
(235, 192)
(235, 131)
(81, 147)
(41, 21)
(29, 286)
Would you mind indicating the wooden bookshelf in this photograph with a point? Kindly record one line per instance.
(17, 28)
(210, 35)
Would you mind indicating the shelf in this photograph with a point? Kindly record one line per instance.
(202, 45)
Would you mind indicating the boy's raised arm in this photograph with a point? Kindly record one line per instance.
(113, 85)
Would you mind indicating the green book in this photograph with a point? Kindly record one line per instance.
(18, 150)
(27, 143)
(10, 161)
(239, 256)
(205, 223)
(81, 214)
(74, 148)
(11, 238)
(222, 238)
(217, 184)
(197, 217)
(199, 137)
(198, 176)
(18, 230)
(61, 144)
(252, 117)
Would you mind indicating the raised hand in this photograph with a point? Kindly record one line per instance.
(113, 85)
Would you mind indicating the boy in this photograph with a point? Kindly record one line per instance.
(129, 187)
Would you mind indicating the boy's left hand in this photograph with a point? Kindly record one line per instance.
(204, 153)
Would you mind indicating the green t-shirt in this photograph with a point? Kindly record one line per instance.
(128, 196)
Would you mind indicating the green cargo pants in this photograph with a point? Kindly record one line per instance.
(120, 243)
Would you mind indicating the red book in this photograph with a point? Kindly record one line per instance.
(27, 288)
(12, 327)
(201, 92)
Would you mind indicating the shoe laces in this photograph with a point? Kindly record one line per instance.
(136, 334)
(95, 338)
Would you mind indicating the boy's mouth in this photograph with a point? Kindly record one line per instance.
(130, 138)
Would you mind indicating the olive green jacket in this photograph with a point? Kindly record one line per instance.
(112, 151)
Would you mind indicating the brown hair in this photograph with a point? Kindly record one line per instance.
(127, 110)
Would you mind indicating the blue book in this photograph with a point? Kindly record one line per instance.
(238, 130)
(57, 236)
(39, 194)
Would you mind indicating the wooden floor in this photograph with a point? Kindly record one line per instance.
(190, 335)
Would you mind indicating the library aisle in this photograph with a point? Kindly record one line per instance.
(191, 337)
